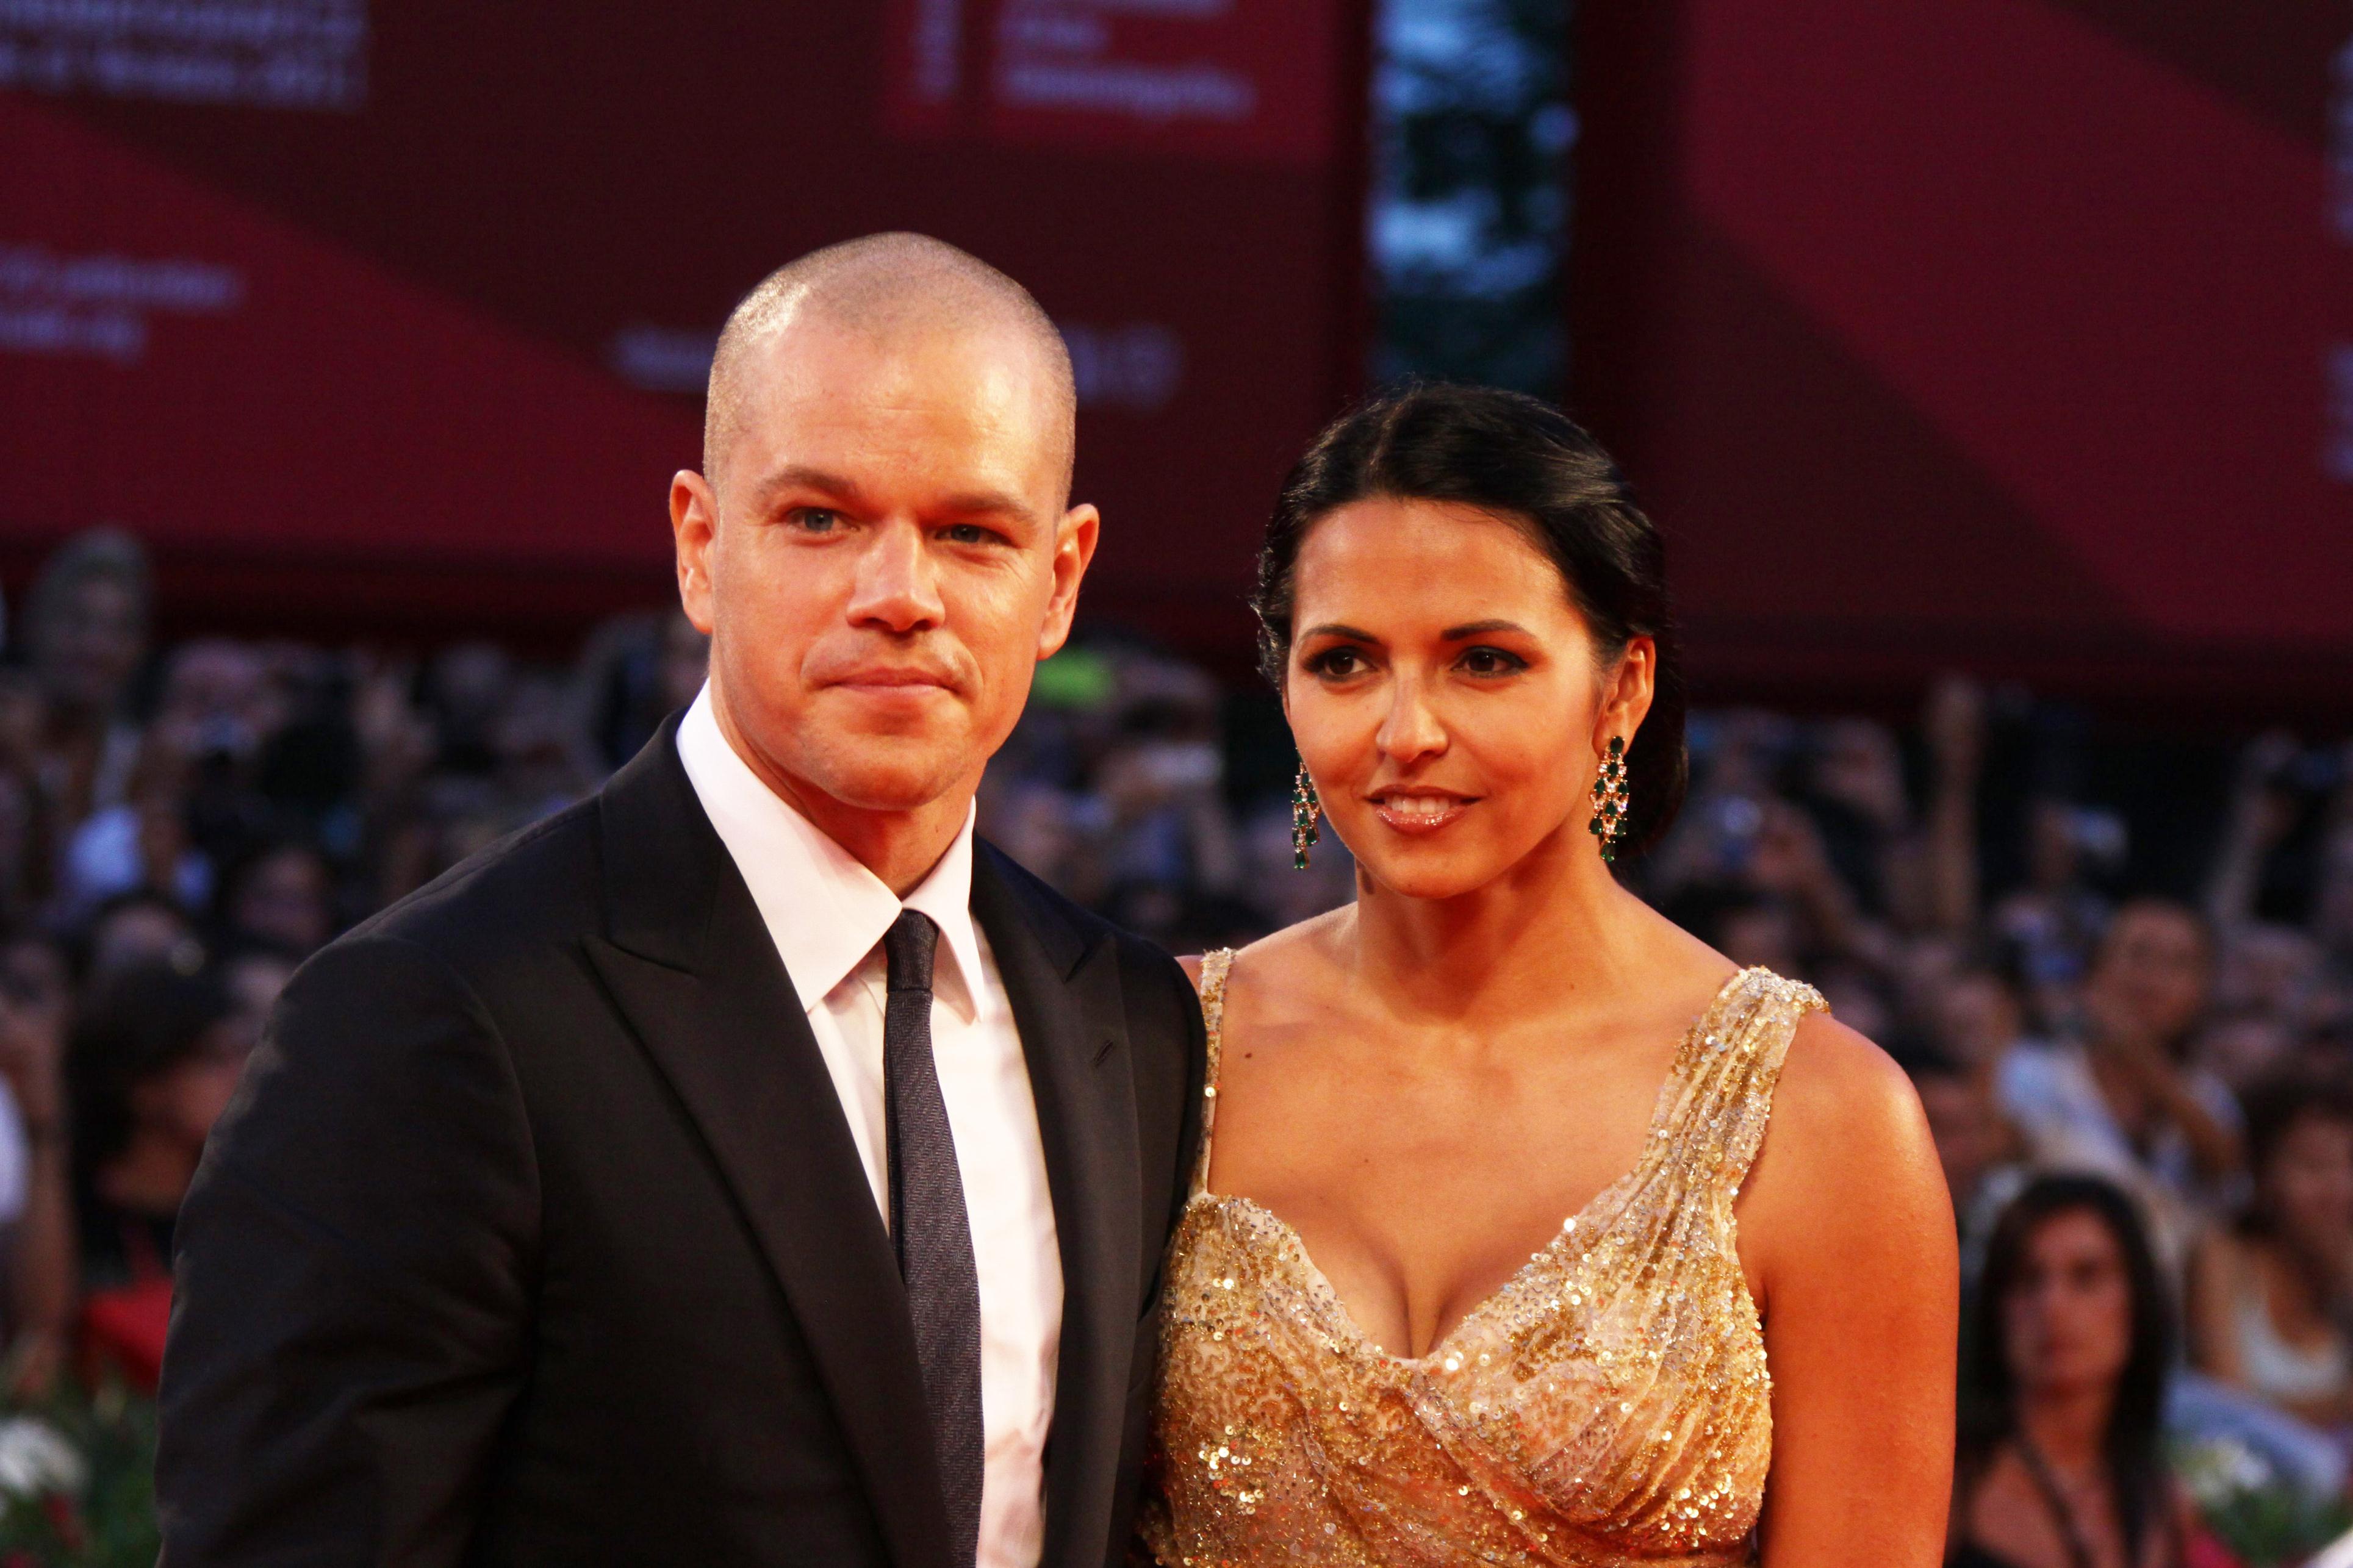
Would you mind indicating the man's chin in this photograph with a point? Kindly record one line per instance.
(889, 778)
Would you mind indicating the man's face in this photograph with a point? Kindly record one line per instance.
(88, 648)
(2154, 960)
(884, 558)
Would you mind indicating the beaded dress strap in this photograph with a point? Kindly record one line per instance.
(1214, 967)
(1732, 1061)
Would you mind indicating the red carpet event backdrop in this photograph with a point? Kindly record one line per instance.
(2018, 331)
(2013, 332)
(366, 315)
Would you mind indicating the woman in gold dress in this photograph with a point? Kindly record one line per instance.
(1528, 1229)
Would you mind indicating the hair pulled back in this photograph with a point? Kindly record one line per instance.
(1532, 466)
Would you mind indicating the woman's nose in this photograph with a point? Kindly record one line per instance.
(1411, 728)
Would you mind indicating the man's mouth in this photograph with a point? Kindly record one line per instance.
(899, 677)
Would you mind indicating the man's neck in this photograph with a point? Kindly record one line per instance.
(899, 847)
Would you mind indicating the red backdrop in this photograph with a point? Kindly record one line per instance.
(393, 317)
(2011, 333)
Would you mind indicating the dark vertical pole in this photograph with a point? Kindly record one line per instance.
(1355, 314)
(1626, 69)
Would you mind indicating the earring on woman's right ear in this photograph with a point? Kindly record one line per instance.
(1306, 811)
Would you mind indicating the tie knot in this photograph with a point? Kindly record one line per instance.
(908, 947)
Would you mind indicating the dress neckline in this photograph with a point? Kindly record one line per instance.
(1579, 1225)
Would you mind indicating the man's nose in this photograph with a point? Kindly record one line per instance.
(897, 588)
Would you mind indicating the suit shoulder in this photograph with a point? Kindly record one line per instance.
(535, 886)
(1146, 970)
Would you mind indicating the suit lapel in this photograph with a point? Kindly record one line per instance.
(1065, 996)
(691, 966)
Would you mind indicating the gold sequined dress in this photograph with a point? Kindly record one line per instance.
(1609, 1405)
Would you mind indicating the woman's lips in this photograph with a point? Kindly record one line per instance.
(1419, 814)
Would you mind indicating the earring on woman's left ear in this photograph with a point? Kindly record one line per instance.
(1306, 812)
(1610, 801)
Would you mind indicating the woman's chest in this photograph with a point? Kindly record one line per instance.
(1419, 1193)
(1595, 1391)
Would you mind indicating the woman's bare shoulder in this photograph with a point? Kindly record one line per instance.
(1836, 1081)
(1847, 1147)
(1295, 953)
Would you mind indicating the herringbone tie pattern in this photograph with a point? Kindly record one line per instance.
(929, 1227)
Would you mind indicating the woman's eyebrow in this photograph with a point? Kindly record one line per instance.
(1335, 629)
(1480, 629)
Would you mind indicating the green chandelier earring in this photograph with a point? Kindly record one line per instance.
(1610, 801)
(1306, 811)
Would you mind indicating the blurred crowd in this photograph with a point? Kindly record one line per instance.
(179, 828)
(2162, 1015)
(2134, 1060)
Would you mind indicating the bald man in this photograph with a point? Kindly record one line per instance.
(746, 1166)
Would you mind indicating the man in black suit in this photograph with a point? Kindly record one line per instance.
(744, 1166)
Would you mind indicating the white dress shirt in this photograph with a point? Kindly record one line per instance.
(826, 914)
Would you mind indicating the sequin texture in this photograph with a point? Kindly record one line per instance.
(1609, 1405)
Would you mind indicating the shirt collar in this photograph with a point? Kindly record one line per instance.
(824, 911)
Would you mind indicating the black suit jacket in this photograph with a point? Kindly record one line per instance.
(536, 1234)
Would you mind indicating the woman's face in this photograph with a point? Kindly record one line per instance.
(2307, 1185)
(184, 1100)
(1443, 692)
(2067, 1319)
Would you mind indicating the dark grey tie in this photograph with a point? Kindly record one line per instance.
(929, 1227)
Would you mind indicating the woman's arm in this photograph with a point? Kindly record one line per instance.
(45, 1266)
(2214, 1267)
(1848, 1230)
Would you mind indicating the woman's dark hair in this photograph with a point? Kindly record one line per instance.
(2276, 1103)
(1989, 1403)
(1529, 463)
(141, 1024)
(2273, 1107)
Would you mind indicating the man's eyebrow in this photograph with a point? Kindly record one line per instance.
(1336, 629)
(1480, 629)
(990, 503)
(798, 476)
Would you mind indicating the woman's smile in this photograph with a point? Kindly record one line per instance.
(1420, 811)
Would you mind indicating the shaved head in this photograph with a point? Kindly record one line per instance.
(889, 286)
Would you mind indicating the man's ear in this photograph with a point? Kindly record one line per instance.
(1074, 547)
(693, 525)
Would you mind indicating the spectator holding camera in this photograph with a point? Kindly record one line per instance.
(2121, 1099)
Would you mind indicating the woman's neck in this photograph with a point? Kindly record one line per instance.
(2070, 1429)
(1557, 923)
(2307, 1270)
(150, 1176)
